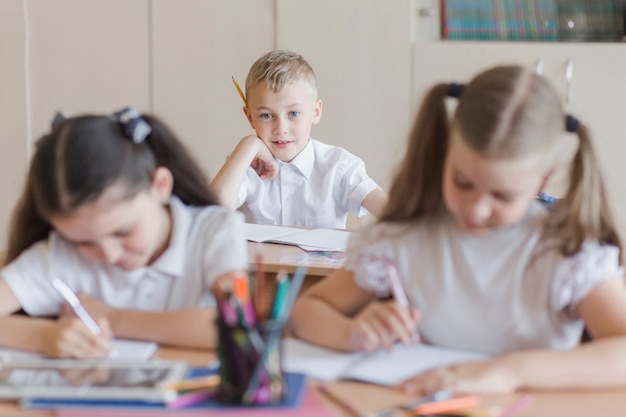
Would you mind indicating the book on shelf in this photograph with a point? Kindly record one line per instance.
(510, 20)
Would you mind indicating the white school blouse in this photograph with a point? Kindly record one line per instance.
(318, 188)
(497, 293)
(206, 242)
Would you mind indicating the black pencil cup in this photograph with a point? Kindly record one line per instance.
(250, 363)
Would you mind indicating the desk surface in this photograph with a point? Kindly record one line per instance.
(367, 397)
(275, 257)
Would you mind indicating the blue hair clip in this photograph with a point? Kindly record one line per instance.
(135, 127)
(546, 200)
(59, 118)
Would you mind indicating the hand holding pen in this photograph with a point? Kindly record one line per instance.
(383, 323)
(79, 336)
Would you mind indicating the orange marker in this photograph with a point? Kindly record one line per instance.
(242, 295)
(453, 404)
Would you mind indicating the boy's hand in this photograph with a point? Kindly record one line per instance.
(495, 376)
(264, 162)
(69, 337)
(381, 324)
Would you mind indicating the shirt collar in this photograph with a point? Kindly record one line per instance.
(172, 261)
(304, 160)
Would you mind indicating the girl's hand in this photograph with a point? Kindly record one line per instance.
(96, 307)
(496, 376)
(381, 324)
(69, 337)
(264, 162)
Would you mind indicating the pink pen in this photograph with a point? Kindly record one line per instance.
(397, 289)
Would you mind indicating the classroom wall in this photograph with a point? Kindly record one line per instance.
(13, 122)
(176, 59)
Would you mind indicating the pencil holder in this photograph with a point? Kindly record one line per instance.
(250, 363)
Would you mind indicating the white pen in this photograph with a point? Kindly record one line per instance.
(71, 298)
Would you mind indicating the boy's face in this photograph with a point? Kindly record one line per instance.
(283, 119)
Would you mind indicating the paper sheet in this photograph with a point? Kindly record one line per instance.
(307, 239)
(122, 349)
(380, 367)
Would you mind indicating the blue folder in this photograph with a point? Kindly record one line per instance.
(296, 386)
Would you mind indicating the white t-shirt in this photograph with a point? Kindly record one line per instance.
(318, 188)
(206, 242)
(505, 291)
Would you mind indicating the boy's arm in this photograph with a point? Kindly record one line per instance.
(250, 151)
(375, 202)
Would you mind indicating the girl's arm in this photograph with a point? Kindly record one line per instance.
(375, 202)
(597, 364)
(186, 328)
(193, 327)
(249, 151)
(339, 314)
(600, 363)
(67, 337)
(323, 314)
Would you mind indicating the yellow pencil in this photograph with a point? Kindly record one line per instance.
(243, 98)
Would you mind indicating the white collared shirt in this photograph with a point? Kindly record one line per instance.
(504, 291)
(206, 242)
(318, 188)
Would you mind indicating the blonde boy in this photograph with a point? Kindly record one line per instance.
(281, 175)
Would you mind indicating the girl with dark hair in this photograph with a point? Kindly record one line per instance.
(116, 207)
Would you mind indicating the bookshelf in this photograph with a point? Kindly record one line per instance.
(522, 20)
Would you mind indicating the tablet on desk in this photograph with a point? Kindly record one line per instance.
(82, 379)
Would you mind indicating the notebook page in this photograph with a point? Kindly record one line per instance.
(321, 239)
(403, 362)
(379, 367)
(123, 350)
(264, 232)
(315, 361)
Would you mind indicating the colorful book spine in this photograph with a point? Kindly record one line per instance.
(509, 20)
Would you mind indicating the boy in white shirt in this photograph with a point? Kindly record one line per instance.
(282, 176)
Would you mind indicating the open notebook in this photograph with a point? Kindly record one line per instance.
(379, 367)
(121, 349)
(307, 239)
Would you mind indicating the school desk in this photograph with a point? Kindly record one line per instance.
(369, 398)
(275, 257)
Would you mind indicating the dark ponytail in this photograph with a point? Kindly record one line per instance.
(82, 156)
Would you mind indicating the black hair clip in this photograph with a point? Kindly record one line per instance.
(135, 127)
(455, 90)
(571, 124)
